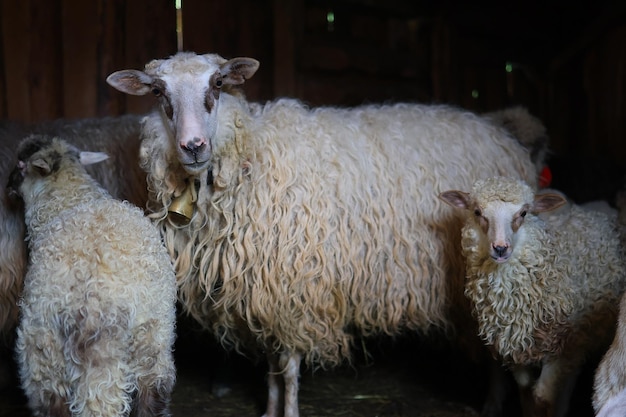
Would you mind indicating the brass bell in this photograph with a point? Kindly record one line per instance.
(181, 209)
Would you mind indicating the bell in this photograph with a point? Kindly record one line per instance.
(181, 209)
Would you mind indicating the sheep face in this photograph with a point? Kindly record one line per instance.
(189, 88)
(40, 156)
(497, 209)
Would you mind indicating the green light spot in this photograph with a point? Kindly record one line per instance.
(330, 17)
(508, 67)
(474, 93)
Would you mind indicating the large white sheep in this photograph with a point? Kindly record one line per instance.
(120, 175)
(545, 293)
(97, 316)
(310, 225)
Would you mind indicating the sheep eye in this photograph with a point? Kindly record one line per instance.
(157, 92)
(477, 213)
(523, 213)
(218, 82)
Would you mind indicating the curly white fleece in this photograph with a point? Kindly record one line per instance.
(318, 224)
(98, 307)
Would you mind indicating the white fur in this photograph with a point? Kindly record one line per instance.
(97, 315)
(120, 175)
(545, 290)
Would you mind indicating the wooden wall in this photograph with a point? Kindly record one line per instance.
(570, 70)
(56, 54)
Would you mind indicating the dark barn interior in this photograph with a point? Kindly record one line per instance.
(566, 63)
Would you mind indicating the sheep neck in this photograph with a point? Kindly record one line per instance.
(59, 193)
(513, 302)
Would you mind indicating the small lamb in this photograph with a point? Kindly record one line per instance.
(97, 321)
(545, 292)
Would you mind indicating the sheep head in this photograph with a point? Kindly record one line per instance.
(497, 209)
(188, 87)
(40, 156)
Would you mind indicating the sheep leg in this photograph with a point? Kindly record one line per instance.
(524, 378)
(156, 380)
(152, 402)
(58, 407)
(53, 406)
(496, 390)
(554, 387)
(47, 395)
(100, 388)
(290, 365)
(565, 394)
(276, 388)
(284, 371)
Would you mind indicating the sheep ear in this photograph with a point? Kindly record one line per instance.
(88, 158)
(41, 166)
(237, 70)
(134, 82)
(547, 202)
(455, 198)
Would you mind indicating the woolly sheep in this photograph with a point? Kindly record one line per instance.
(120, 175)
(615, 406)
(545, 295)
(311, 226)
(609, 397)
(528, 129)
(97, 319)
(609, 389)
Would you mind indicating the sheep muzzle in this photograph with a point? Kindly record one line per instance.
(194, 155)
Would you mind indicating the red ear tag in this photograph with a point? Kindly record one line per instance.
(545, 178)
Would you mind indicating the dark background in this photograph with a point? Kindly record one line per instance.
(566, 61)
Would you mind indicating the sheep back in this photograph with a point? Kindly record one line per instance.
(120, 175)
(104, 299)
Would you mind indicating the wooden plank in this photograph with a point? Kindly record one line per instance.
(45, 61)
(284, 48)
(79, 23)
(205, 24)
(604, 93)
(151, 29)
(111, 56)
(15, 28)
(3, 59)
(441, 68)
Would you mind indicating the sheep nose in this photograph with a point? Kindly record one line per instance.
(194, 146)
(500, 250)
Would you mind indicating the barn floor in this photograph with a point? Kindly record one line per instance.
(400, 379)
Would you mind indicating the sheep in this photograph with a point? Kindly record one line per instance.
(120, 175)
(310, 226)
(609, 387)
(531, 132)
(97, 311)
(615, 406)
(545, 292)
